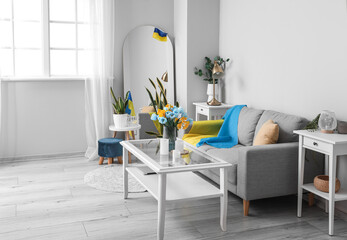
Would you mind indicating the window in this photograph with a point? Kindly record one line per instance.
(44, 38)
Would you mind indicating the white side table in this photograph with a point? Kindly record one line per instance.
(212, 112)
(127, 131)
(332, 145)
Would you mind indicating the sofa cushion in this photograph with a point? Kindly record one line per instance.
(248, 120)
(268, 134)
(287, 124)
(230, 155)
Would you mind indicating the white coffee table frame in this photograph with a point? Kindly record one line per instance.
(177, 183)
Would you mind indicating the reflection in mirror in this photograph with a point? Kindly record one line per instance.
(146, 57)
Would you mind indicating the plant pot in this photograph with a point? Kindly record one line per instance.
(210, 91)
(321, 182)
(170, 133)
(120, 120)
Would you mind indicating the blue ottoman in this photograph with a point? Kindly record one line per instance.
(110, 148)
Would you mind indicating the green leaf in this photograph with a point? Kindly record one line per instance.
(161, 87)
(112, 93)
(152, 100)
(152, 83)
(154, 134)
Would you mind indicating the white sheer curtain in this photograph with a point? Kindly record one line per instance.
(97, 87)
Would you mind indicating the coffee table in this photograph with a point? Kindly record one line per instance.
(175, 180)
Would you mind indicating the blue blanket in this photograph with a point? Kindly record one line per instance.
(227, 136)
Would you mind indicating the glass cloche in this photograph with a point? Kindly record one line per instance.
(327, 121)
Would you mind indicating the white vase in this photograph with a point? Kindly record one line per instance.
(210, 91)
(120, 120)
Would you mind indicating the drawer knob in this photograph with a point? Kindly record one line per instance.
(315, 144)
(202, 109)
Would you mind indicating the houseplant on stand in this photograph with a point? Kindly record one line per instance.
(120, 118)
(207, 75)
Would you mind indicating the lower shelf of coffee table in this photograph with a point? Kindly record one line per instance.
(179, 186)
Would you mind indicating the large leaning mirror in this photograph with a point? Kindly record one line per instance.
(146, 57)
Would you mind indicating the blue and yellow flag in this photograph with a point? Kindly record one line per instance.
(130, 107)
(130, 110)
(159, 35)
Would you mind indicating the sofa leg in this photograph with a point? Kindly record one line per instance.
(245, 207)
(310, 199)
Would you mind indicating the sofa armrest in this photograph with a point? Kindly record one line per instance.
(204, 127)
(271, 170)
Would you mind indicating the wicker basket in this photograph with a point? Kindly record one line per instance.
(321, 182)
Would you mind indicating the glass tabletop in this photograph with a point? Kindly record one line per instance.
(190, 158)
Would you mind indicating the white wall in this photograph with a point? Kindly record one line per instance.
(197, 36)
(288, 55)
(45, 118)
(42, 118)
(181, 50)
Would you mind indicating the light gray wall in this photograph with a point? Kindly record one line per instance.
(42, 118)
(197, 36)
(288, 55)
(134, 13)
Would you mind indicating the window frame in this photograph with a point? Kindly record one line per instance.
(45, 47)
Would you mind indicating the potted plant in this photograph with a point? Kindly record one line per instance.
(120, 118)
(207, 75)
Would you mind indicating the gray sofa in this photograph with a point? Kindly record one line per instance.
(268, 170)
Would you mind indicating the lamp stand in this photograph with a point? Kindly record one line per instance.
(214, 101)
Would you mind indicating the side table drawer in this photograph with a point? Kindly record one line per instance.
(318, 145)
(201, 110)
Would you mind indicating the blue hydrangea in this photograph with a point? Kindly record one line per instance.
(184, 114)
(176, 111)
(162, 120)
(154, 117)
(190, 120)
(165, 108)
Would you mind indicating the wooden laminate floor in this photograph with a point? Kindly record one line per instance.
(47, 199)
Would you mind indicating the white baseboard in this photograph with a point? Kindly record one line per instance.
(42, 157)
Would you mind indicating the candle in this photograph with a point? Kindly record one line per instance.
(179, 145)
(164, 146)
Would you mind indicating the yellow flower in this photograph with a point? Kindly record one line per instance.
(183, 123)
(161, 113)
(169, 106)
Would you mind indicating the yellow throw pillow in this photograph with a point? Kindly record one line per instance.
(268, 134)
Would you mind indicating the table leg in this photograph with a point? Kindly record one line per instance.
(114, 134)
(223, 198)
(301, 166)
(161, 205)
(332, 179)
(326, 172)
(196, 115)
(125, 173)
(127, 137)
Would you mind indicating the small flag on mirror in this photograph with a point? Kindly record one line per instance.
(159, 35)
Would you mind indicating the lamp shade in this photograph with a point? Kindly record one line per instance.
(165, 77)
(217, 69)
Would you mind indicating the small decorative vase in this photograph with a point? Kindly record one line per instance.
(170, 133)
(327, 122)
(210, 91)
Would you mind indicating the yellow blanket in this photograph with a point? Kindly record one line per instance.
(203, 129)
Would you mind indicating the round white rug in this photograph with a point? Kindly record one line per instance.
(110, 178)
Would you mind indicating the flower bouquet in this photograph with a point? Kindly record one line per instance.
(171, 118)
